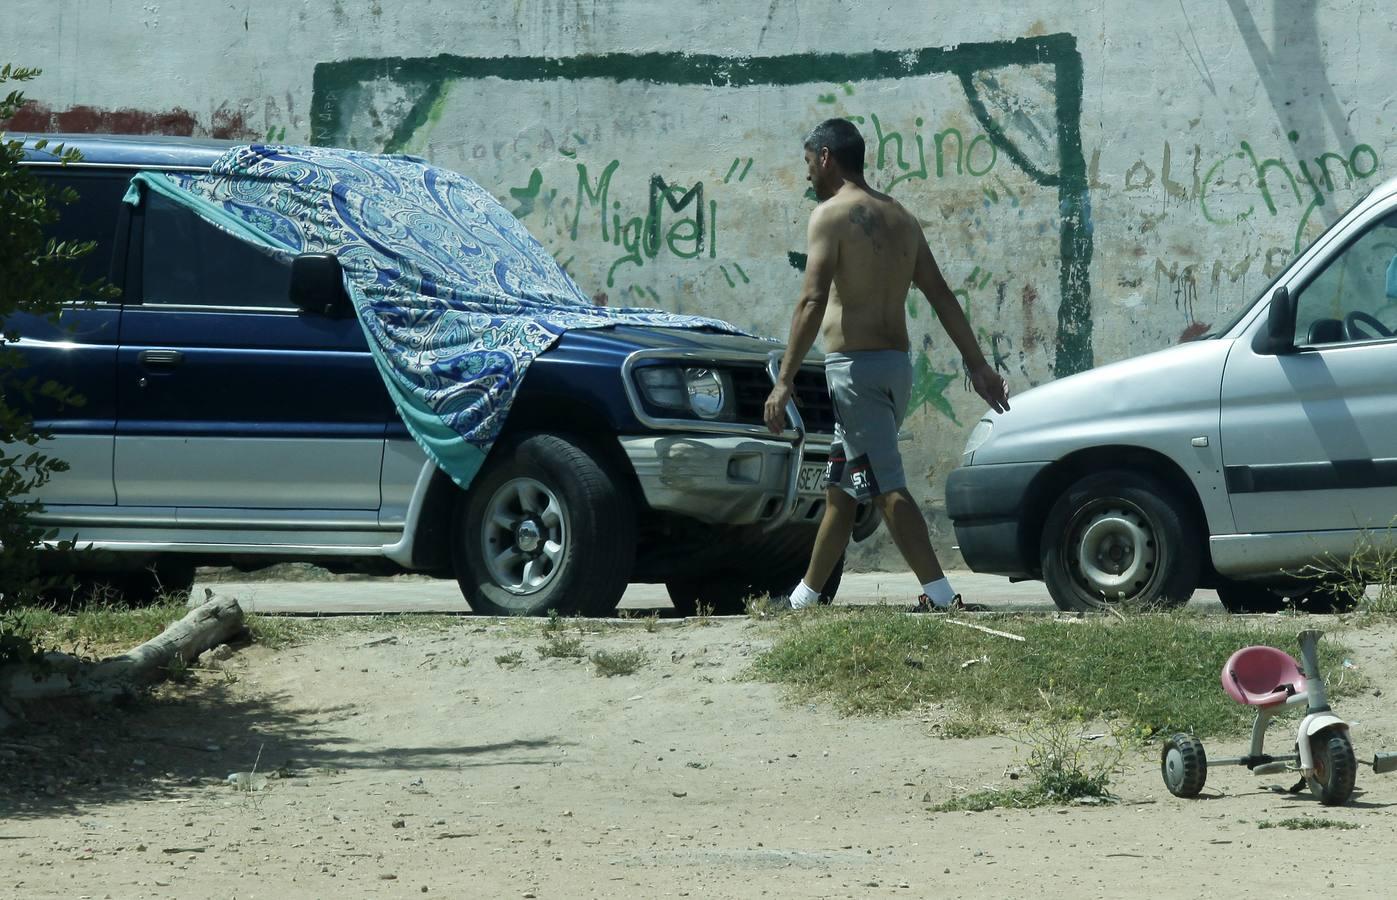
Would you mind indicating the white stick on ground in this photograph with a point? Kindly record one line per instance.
(1003, 634)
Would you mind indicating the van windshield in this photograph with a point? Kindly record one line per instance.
(1266, 291)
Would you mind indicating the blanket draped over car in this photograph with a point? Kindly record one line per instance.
(455, 296)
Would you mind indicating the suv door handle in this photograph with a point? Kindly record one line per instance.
(160, 359)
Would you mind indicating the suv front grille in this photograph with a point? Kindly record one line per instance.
(752, 385)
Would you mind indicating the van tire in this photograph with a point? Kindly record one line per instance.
(565, 496)
(1246, 597)
(1139, 541)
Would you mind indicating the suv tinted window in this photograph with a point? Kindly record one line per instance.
(91, 217)
(186, 260)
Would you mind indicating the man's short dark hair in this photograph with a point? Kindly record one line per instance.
(843, 140)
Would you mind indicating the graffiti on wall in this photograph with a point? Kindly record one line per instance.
(1233, 188)
(388, 103)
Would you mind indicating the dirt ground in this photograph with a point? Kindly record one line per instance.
(413, 763)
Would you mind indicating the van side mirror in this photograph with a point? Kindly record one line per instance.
(1278, 337)
(317, 286)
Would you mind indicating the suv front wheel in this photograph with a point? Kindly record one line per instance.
(544, 527)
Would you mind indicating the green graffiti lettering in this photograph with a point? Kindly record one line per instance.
(662, 195)
(585, 192)
(884, 140)
(970, 156)
(1322, 161)
(1353, 160)
(1203, 194)
(632, 237)
(1261, 167)
(937, 139)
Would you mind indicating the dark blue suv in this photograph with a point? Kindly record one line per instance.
(226, 425)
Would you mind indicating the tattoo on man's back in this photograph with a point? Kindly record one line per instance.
(861, 217)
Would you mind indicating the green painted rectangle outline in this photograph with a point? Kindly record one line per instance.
(1074, 325)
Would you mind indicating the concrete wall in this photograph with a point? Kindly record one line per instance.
(1097, 180)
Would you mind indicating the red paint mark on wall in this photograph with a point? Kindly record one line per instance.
(224, 122)
(1194, 332)
(1031, 333)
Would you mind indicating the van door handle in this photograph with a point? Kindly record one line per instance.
(160, 359)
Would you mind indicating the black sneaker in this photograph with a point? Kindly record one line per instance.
(924, 605)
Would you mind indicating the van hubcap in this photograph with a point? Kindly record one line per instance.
(524, 536)
(1115, 551)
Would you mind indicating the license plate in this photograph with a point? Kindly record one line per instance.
(812, 478)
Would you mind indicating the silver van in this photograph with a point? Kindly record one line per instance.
(1233, 462)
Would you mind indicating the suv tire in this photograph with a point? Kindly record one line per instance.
(545, 526)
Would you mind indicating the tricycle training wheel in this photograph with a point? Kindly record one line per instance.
(1184, 765)
(1335, 766)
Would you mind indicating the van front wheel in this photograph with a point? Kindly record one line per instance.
(1119, 538)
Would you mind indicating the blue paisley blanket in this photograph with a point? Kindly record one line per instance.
(454, 294)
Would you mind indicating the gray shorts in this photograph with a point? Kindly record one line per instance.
(870, 390)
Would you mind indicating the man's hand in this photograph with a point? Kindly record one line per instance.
(991, 388)
(775, 412)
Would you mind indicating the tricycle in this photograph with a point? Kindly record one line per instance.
(1272, 681)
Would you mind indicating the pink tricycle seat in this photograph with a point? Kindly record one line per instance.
(1262, 676)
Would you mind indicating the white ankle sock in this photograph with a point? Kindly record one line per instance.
(802, 596)
(939, 592)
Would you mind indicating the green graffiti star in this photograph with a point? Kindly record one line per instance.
(928, 389)
(527, 195)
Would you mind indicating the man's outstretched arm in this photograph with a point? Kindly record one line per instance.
(822, 254)
(986, 381)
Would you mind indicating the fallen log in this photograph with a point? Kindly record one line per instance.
(64, 675)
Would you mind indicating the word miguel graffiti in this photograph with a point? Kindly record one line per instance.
(675, 219)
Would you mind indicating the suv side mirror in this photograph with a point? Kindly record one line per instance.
(317, 285)
(1278, 337)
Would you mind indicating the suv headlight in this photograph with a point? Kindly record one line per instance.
(663, 386)
(706, 393)
(978, 436)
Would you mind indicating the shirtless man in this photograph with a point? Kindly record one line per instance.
(864, 253)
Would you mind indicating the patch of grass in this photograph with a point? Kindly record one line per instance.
(96, 630)
(1369, 575)
(968, 723)
(1151, 673)
(510, 660)
(620, 662)
(1306, 824)
(276, 632)
(562, 648)
(1062, 769)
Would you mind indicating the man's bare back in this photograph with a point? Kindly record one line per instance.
(876, 245)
